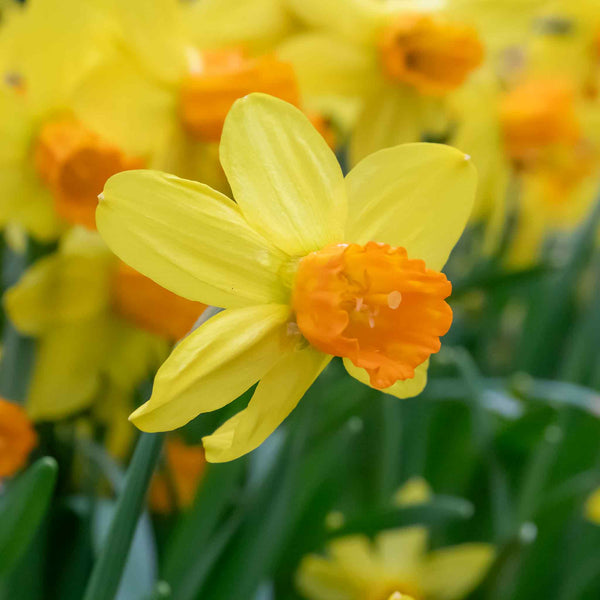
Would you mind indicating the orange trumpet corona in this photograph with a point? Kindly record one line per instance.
(373, 305)
(75, 163)
(226, 75)
(537, 115)
(432, 55)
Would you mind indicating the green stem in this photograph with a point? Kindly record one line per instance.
(107, 572)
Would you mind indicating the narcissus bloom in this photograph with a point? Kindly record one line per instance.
(308, 265)
(179, 69)
(52, 163)
(17, 438)
(395, 562)
(401, 63)
(551, 135)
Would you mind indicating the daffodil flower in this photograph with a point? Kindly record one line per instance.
(394, 565)
(308, 265)
(100, 327)
(540, 130)
(403, 63)
(180, 68)
(44, 147)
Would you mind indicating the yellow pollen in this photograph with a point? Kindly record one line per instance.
(373, 305)
(432, 55)
(208, 92)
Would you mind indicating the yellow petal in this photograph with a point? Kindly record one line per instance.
(135, 354)
(391, 115)
(418, 196)
(451, 573)
(59, 289)
(66, 374)
(112, 412)
(214, 365)
(277, 394)
(16, 128)
(326, 64)
(156, 34)
(256, 24)
(34, 210)
(24, 201)
(401, 389)
(402, 550)
(125, 107)
(357, 20)
(356, 555)
(188, 238)
(283, 174)
(74, 37)
(478, 133)
(321, 579)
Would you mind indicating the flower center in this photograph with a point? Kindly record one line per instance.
(373, 305)
(152, 307)
(223, 76)
(432, 55)
(536, 115)
(75, 163)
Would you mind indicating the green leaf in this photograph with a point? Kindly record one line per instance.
(23, 508)
(439, 510)
(547, 321)
(267, 518)
(557, 393)
(140, 569)
(107, 572)
(189, 552)
(582, 349)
